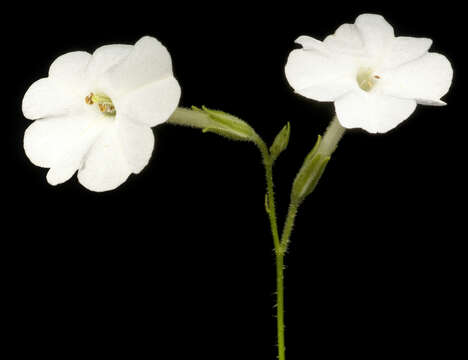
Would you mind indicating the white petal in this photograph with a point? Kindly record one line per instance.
(319, 77)
(151, 104)
(60, 174)
(46, 97)
(425, 79)
(69, 69)
(106, 57)
(105, 166)
(376, 32)
(309, 43)
(137, 143)
(405, 49)
(431, 102)
(372, 112)
(346, 40)
(60, 93)
(148, 61)
(61, 142)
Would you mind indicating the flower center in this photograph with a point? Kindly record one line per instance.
(366, 78)
(103, 102)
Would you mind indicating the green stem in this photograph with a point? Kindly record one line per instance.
(200, 119)
(280, 305)
(279, 256)
(328, 145)
(288, 226)
(272, 208)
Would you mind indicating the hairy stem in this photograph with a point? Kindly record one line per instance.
(280, 305)
(279, 256)
(288, 226)
(332, 136)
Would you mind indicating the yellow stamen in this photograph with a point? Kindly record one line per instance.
(104, 103)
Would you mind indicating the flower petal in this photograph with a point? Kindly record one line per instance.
(53, 95)
(148, 61)
(372, 112)
(60, 174)
(309, 43)
(319, 77)
(347, 40)
(137, 143)
(70, 68)
(105, 166)
(425, 79)
(46, 97)
(106, 57)
(405, 49)
(151, 104)
(376, 32)
(60, 143)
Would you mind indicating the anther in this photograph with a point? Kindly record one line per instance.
(89, 99)
(103, 102)
(106, 108)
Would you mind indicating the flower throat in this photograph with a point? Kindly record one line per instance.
(366, 79)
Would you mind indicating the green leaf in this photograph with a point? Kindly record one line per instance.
(281, 142)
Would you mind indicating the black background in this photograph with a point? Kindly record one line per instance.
(178, 261)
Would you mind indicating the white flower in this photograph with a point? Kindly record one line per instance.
(374, 78)
(94, 113)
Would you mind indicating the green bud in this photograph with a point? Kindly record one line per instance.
(281, 142)
(310, 173)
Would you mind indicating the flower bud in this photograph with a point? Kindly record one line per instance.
(281, 142)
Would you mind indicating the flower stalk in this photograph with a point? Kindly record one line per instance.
(279, 255)
(307, 178)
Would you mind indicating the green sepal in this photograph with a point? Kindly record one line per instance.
(226, 133)
(227, 124)
(310, 173)
(312, 152)
(281, 142)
